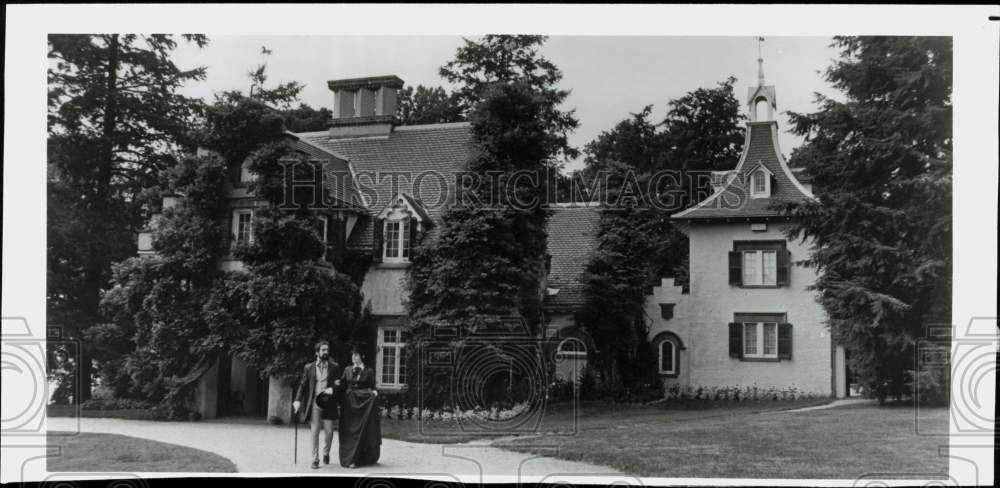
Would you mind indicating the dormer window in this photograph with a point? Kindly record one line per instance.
(397, 240)
(397, 229)
(760, 182)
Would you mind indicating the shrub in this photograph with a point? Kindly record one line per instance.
(931, 386)
(115, 404)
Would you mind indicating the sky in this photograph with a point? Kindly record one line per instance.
(609, 77)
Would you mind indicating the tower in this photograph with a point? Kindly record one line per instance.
(761, 97)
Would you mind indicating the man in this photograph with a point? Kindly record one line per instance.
(318, 378)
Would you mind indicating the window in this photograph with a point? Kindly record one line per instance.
(668, 357)
(760, 184)
(759, 263)
(242, 226)
(760, 339)
(390, 361)
(397, 240)
(763, 336)
(760, 268)
(668, 347)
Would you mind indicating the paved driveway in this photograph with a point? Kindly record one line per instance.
(261, 448)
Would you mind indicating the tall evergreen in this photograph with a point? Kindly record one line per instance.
(488, 258)
(116, 121)
(881, 167)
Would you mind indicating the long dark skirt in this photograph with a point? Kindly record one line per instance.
(360, 429)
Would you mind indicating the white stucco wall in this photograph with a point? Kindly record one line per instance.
(701, 318)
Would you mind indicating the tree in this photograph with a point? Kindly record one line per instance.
(155, 302)
(280, 97)
(703, 132)
(115, 122)
(637, 245)
(503, 59)
(307, 119)
(488, 259)
(426, 105)
(881, 164)
(289, 296)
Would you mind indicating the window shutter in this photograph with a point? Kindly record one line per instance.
(413, 236)
(784, 341)
(736, 340)
(337, 241)
(784, 265)
(735, 268)
(378, 228)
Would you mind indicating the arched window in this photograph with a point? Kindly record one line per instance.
(668, 357)
(762, 108)
(668, 347)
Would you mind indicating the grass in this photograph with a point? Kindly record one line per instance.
(843, 442)
(86, 452)
(560, 419)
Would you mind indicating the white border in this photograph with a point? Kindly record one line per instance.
(975, 99)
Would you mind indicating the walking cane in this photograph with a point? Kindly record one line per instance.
(295, 450)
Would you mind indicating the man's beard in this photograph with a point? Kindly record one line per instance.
(324, 357)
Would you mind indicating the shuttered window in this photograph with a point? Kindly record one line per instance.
(760, 336)
(759, 263)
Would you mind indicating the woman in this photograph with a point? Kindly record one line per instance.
(360, 428)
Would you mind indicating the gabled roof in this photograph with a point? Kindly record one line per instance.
(415, 206)
(337, 169)
(572, 239)
(435, 151)
(733, 200)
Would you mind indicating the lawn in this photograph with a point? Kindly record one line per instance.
(844, 442)
(109, 452)
(562, 419)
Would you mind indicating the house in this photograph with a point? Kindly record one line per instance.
(389, 187)
(748, 318)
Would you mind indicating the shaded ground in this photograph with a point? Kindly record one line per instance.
(845, 442)
(117, 453)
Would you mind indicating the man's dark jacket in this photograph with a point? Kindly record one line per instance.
(306, 392)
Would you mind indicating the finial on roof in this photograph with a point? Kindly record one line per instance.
(760, 63)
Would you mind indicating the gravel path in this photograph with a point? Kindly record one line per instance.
(257, 448)
(836, 403)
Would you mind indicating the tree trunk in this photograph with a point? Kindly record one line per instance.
(95, 274)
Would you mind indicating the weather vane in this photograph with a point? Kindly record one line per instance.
(760, 63)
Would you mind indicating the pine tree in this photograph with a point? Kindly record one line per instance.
(488, 258)
(115, 123)
(881, 165)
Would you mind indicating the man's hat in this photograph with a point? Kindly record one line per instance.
(325, 401)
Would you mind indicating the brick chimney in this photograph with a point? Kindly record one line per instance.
(363, 107)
